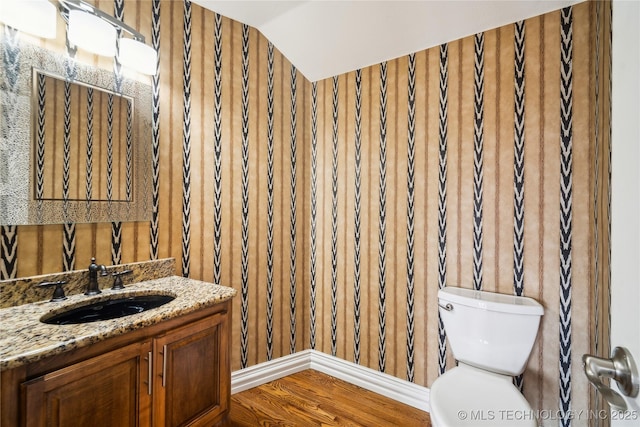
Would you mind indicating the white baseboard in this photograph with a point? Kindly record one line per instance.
(384, 384)
(262, 373)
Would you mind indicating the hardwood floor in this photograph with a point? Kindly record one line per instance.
(311, 398)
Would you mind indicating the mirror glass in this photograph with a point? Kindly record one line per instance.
(87, 127)
(75, 140)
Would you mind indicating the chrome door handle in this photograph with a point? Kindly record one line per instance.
(621, 368)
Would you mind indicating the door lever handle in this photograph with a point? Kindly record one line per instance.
(621, 368)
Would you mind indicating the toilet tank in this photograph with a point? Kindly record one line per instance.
(490, 331)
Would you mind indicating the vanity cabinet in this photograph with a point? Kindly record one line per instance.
(174, 373)
(191, 382)
(106, 390)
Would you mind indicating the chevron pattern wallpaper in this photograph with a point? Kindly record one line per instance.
(338, 208)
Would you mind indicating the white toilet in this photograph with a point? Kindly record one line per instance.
(491, 336)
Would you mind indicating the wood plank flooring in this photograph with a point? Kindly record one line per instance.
(310, 398)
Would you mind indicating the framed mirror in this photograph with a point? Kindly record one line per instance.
(75, 141)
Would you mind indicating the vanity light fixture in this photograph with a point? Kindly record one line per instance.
(88, 28)
(91, 33)
(91, 29)
(37, 17)
(138, 56)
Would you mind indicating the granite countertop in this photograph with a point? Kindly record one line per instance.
(25, 339)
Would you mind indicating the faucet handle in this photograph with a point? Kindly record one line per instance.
(58, 292)
(117, 279)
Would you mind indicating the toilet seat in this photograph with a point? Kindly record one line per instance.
(468, 396)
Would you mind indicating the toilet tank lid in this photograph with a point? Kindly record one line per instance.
(491, 301)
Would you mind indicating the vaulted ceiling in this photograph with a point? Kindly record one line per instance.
(323, 38)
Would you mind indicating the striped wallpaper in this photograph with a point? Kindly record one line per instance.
(338, 208)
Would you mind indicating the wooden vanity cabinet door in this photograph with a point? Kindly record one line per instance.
(193, 374)
(108, 390)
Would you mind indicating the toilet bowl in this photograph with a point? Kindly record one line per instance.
(467, 396)
(491, 336)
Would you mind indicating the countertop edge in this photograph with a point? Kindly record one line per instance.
(33, 340)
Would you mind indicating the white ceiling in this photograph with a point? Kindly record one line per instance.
(324, 38)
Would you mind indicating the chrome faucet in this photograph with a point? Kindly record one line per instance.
(92, 288)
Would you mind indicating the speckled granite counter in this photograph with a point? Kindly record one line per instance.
(24, 339)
